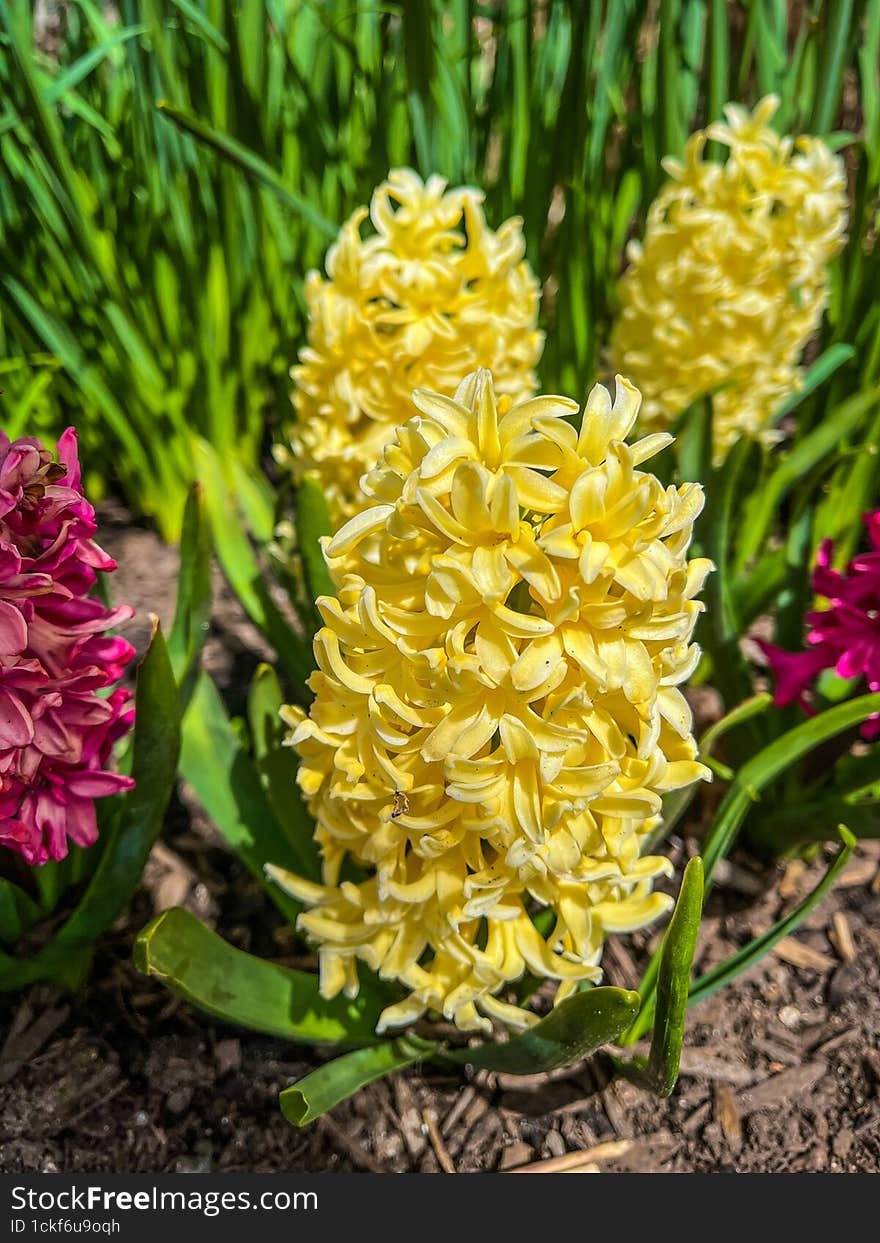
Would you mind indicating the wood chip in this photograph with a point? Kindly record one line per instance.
(728, 1116)
(574, 1160)
(841, 938)
(694, 1121)
(410, 1116)
(227, 1055)
(555, 1143)
(517, 1153)
(27, 1037)
(792, 879)
(701, 1064)
(621, 965)
(462, 1101)
(798, 954)
(731, 876)
(859, 872)
(353, 1150)
(441, 1152)
(619, 1099)
(780, 1088)
(828, 1046)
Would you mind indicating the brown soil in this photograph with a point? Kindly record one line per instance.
(781, 1071)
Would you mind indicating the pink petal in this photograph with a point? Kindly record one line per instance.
(13, 630)
(16, 726)
(97, 784)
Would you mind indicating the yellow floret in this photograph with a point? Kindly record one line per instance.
(497, 711)
(731, 281)
(429, 295)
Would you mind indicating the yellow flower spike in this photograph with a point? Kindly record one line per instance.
(731, 280)
(496, 713)
(432, 294)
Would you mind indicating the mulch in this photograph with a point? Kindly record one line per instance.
(781, 1071)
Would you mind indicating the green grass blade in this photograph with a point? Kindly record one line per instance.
(248, 162)
(837, 32)
(745, 958)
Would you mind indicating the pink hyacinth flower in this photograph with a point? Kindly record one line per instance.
(56, 730)
(845, 636)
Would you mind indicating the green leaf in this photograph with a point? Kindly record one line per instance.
(18, 912)
(673, 983)
(154, 768)
(739, 962)
(198, 965)
(768, 764)
(313, 522)
(694, 441)
(192, 616)
(748, 784)
(242, 569)
(837, 32)
(806, 453)
(74, 74)
(249, 162)
(228, 786)
(276, 765)
(816, 375)
(327, 1086)
(574, 1029)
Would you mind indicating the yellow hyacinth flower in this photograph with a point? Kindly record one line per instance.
(496, 711)
(429, 295)
(731, 281)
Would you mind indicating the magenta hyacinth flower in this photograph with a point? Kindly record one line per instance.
(845, 636)
(56, 729)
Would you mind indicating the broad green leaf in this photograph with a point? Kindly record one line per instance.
(67, 968)
(673, 984)
(226, 783)
(18, 912)
(694, 441)
(155, 753)
(193, 613)
(198, 965)
(276, 765)
(334, 1082)
(242, 568)
(313, 522)
(673, 981)
(574, 1029)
